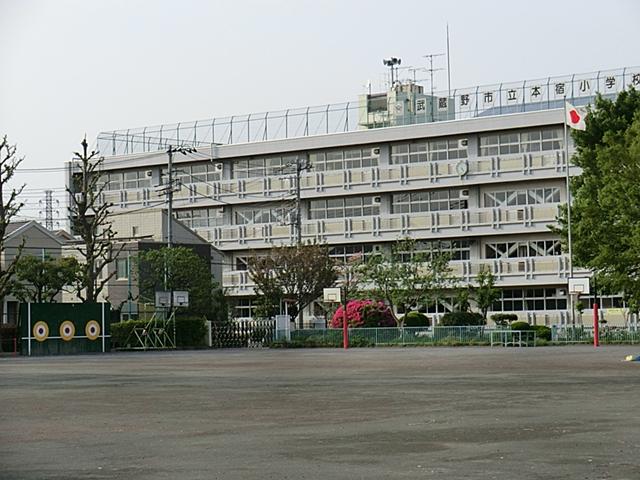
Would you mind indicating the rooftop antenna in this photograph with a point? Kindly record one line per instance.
(392, 63)
(431, 56)
(448, 64)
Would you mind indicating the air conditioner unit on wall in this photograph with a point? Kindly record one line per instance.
(377, 199)
(464, 193)
(148, 173)
(375, 151)
(217, 167)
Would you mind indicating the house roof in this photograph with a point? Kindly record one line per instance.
(15, 229)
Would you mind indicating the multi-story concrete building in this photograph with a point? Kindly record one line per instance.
(479, 173)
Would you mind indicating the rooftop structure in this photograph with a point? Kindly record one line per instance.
(404, 104)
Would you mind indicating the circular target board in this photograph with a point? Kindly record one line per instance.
(40, 331)
(67, 330)
(92, 329)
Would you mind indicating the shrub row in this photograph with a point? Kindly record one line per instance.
(190, 332)
(462, 319)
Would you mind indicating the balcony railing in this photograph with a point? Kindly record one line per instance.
(512, 270)
(383, 178)
(387, 227)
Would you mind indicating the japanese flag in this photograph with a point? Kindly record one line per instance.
(575, 117)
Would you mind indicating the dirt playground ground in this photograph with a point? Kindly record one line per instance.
(380, 413)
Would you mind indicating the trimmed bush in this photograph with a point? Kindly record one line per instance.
(364, 313)
(504, 319)
(416, 319)
(521, 326)
(542, 332)
(190, 331)
(461, 319)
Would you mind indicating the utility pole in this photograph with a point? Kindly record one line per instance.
(300, 167)
(170, 187)
(298, 203)
(170, 199)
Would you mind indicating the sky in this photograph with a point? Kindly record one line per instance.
(75, 67)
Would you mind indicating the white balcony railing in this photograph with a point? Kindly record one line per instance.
(386, 178)
(530, 270)
(388, 227)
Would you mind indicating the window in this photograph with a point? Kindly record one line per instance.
(262, 167)
(186, 174)
(515, 300)
(135, 230)
(251, 215)
(530, 248)
(433, 150)
(201, 217)
(458, 249)
(428, 201)
(343, 207)
(343, 253)
(344, 159)
(122, 268)
(532, 196)
(508, 143)
(244, 308)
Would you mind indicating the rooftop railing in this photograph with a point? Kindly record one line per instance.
(464, 103)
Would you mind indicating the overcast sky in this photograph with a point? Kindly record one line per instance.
(73, 67)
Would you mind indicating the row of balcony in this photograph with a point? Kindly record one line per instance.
(524, 270)
(386, 178)
(523, 219)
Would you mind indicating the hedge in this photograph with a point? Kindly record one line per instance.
(462, 319)
(523, 326)
(416, 319)
(190, 332)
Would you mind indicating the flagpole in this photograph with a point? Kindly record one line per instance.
(567, 179)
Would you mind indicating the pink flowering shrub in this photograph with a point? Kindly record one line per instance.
(364, 313)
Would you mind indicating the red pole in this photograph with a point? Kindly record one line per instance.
(345, 327)
(596, 339)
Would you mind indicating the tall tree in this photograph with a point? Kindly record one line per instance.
(297, 273)
(181, 268)
(605, 214)
(406, 278)
(9, 208)
(90, 220)
(40, 280)
(485, 293)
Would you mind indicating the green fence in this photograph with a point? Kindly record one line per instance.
(400, 336)
(464, 336)
(64, 328)
(606, 335)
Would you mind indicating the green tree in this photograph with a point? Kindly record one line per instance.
(605, 213)
(297, 273)
(485, 293)
(183, 269)
(40, 280)
(406, 278)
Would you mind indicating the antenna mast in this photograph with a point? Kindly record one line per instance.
(431, 56)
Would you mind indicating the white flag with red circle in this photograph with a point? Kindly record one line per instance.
(575, 117)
